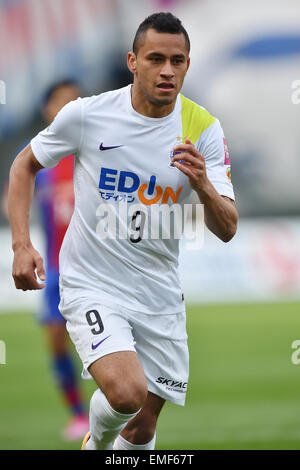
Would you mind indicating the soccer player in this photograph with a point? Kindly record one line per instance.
(121, 296)
(55, 200)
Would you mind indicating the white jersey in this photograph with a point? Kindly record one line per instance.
(122, 158)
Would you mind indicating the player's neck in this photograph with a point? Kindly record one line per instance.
(143, 106)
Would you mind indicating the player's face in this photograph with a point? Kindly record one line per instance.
(160, 66)
(59, 98)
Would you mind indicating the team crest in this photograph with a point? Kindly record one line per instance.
(228, 173)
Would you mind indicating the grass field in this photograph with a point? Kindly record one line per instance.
(244, 391)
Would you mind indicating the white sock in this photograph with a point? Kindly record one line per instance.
(122, 444)
(105, 423)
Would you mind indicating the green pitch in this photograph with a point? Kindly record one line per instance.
(244, 391)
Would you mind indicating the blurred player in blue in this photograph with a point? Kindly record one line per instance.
(55, 198)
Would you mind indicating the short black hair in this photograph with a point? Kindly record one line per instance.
(54, 86)
(163, 22)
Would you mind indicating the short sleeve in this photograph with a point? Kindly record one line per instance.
(212, 145)
(61, 138)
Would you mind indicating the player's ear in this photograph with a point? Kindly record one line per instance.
(188, 63)
(131, 62)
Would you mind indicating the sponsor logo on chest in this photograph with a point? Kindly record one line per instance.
(117, 183)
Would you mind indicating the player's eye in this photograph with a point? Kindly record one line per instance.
(177, 61)
(156, 60)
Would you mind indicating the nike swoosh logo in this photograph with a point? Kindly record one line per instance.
(101, 147)
(95, 346)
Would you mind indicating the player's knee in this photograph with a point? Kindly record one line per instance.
(128, 398)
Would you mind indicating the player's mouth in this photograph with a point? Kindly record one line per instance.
(166, 86)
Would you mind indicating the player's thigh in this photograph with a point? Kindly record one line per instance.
(121, 378)
(103, 338)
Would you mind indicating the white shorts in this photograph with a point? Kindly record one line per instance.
(160, 341)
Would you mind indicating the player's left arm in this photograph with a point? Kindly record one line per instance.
(220, 213)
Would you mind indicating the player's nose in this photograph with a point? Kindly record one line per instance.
(167, 70)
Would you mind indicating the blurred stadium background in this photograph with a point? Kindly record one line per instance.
(242, 298)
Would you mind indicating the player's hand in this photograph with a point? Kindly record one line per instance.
(194, 167)
(27, 265)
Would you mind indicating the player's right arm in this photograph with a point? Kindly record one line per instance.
(61, 138)
(27, 263)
